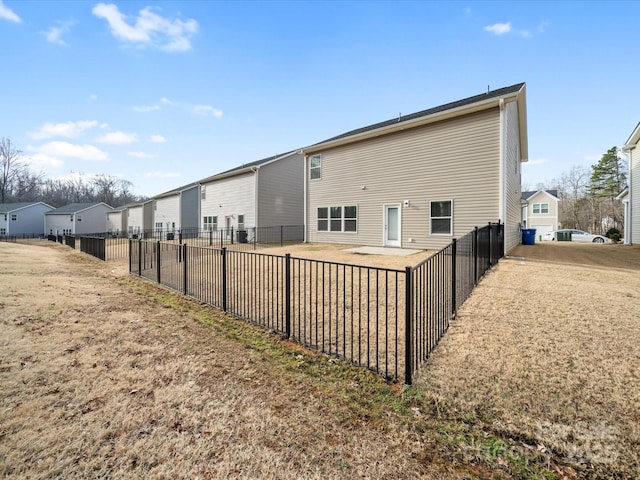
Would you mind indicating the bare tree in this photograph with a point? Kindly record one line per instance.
(572, 189)
(11, 167)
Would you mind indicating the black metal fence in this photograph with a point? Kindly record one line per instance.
(8, 238)
(386, 320)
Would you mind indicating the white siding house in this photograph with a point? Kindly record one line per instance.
(140, 218)
(77, 219)
(117, 221)
(540, 211)
(631, 197)
(421, 180)
(21, 219)
(176, 210)
(264, 193)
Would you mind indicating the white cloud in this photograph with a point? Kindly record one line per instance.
(148, 28)
(499, 28)
(70, 150)
(141, 155)
(206, 110)
(158, 139)
(117, 138)
(8, 14)
(146, 108)
(93, 97)
(506, 28)
(162, 174)
(54, 34)
(66, 129)
(41, 160)
(166, 101)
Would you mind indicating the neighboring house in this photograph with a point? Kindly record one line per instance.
(117, 221)
(631, 197)
(264, 193)
(176, 210)
(423, 179)
(540, 211)
(140, 218)
(20, 219)
(77, 219)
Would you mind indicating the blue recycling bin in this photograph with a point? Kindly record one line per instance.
(528, 236)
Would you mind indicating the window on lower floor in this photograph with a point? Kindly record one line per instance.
(338, 219)
(159, 225)
(3, 231)
(441, 217)
(240, 222)
(540, 208)
(210, 223)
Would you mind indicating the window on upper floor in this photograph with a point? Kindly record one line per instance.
(14, 216)
(540, 208)
(315, 167)
(79, 218)
(441, 217)
(203, 192)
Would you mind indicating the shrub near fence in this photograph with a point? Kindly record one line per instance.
(386, 320)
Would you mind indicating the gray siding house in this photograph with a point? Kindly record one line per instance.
(77, 219)
(631, 196)
(421, 180)
(540, 211)
(20, 219)
(264, 193)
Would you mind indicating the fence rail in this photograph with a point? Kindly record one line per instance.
(386, 320)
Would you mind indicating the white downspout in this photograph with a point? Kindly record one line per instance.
(255, 197)
(502, 170)
(628, 222)
(304, 202)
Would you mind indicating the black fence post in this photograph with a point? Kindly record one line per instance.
(255, 235)
(210, 237)
(490, 247)
(231, 235)
(287, 295)
(158, 261)
(184, 267)
(475, 255)
(454, 249)
(408, 338)
(281, 236)
(224, 279)
(140, 257)
(180, 237)
(130, 254)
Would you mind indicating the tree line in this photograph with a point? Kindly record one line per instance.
(588, 195)
(18, 183)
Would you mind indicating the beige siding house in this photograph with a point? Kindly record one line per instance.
(421, 180)
(264, 193)
(631, 196)
(540, 211)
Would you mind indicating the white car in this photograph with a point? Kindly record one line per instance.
(576, 236)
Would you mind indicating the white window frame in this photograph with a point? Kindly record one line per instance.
(210, 223)
(14, 217)
(241, 221)
(332, 220)
(444, 217)
(79, 218)
(315, 172)
(203, 192)
(541, 208)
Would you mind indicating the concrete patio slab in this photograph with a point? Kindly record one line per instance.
(399, 252)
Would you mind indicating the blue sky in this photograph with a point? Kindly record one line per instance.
(164, 93)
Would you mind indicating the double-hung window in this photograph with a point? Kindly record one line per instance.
(315, 167)
(441, 217)
(210, 223)
(338, 219)
(540, 208)
(14, 216)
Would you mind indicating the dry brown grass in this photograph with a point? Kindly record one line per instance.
(548, 351)
(103, 375)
